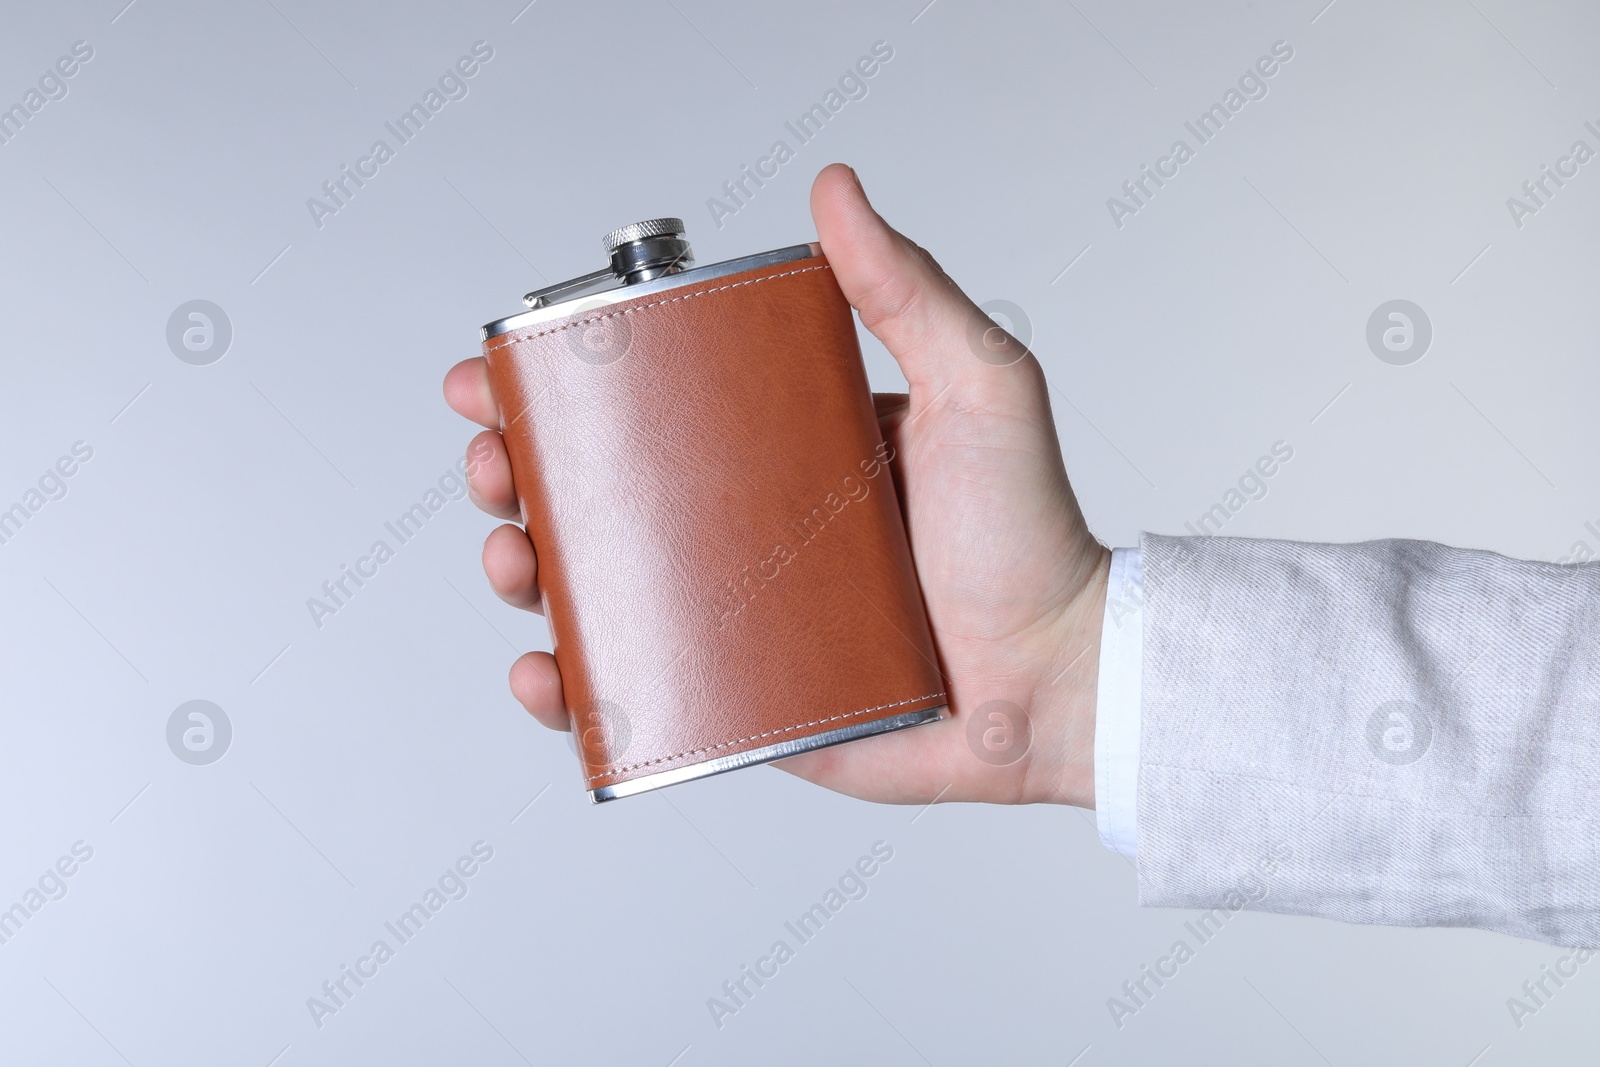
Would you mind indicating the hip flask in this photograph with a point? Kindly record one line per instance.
(722, 560)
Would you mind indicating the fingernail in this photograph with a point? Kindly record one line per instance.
(857, 179)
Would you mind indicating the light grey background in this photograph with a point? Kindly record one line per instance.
(369, 754)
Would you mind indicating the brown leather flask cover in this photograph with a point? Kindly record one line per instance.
(721, 553)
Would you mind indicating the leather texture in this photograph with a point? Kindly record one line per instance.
(722, 557)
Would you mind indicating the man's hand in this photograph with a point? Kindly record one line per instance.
(1014, 584)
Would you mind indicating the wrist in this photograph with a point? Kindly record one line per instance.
(1062, 712)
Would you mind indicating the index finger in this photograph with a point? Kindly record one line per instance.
(466, 390)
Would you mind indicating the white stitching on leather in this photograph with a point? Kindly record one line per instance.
(513, 340)
(757, 737)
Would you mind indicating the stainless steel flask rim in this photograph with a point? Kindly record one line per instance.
(646, 257)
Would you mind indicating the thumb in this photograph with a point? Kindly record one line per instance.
(931, 328)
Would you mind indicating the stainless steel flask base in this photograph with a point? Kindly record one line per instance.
(767, 754)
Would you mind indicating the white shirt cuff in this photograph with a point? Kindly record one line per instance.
(1116, 719)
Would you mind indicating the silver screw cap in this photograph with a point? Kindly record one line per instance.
(638, 231)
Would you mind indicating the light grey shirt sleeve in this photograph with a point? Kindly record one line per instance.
(1390, 732)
